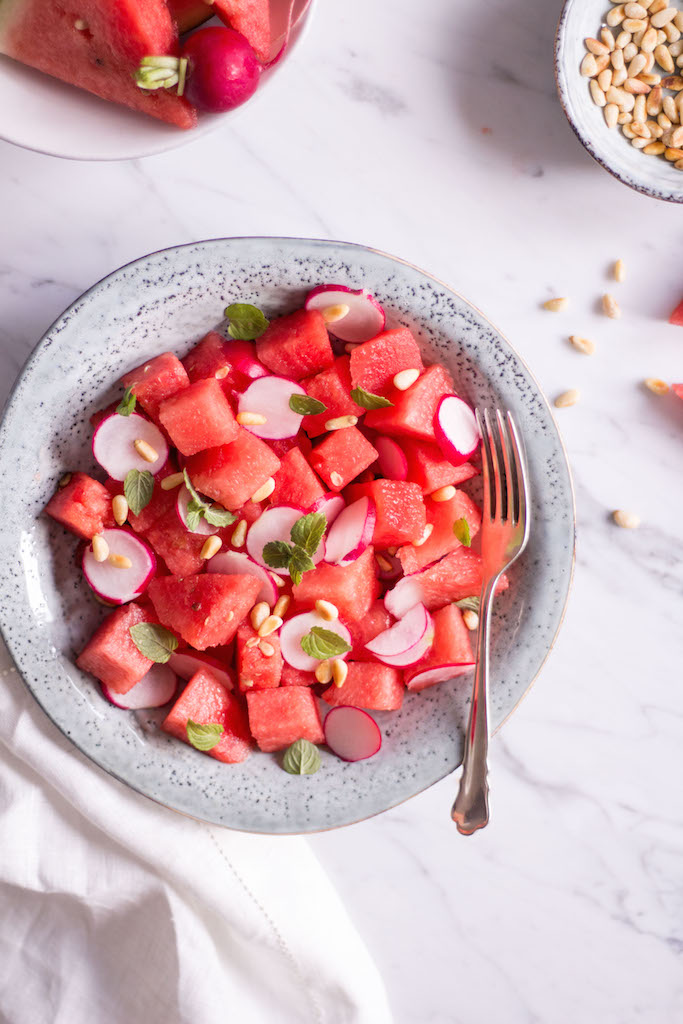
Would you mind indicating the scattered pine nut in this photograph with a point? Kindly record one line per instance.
(627, 520)
(654, 149)
(119, 508)
(264, 491)
(340, 422)
(100, 548)
(253, 641)
(266, 649)
(607, 38)
(211, 547)
(340, 671)
(65, 479)
(251, 419)
(269, 626)
(383, 563)
(80, 25)
(326, 610)
(567, 398)
(282, 605)
(611, 114)
(556, 305)
(248, 683)
(323, 671)
(443, 493)
(331, 314)
(277, 580)
(120, 561)
(145, 450)
(589, 67)
(428, 530)
(470, 618)
(611, 307)
(596, 47)
(656, 385)
(664, 58)
(239, 534)
(405, 379)
(584, 345)
(336, 479)
(222, 373)
(619, 271)
(174, 480)
(259, 613)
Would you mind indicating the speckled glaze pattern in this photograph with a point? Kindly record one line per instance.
(652, 176)
(168, 300)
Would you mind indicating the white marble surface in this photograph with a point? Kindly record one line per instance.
(433, 131)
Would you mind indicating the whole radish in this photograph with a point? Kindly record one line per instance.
(222, 69)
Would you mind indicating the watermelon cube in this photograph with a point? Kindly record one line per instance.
(451, 647)
(111, 656)
(206, 702)
(227, 360)
(352, 588)
(280, 717)
(441, 515)
(400, 507)
(368, 685)
(295, 482)
(285, 444)
(296, 677)
(342, 456)
(375, 621)
(160, 504)
(676, 317)
(428, 467)
(332, 387)
(455, 577)
(256, 670)
(82, 506)
(412, 414)
(296, 345)
(233, 472)
(173, 542)
(375, 363)
(155, 381)
(199, 417)
(205, 610)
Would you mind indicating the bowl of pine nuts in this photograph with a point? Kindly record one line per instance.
(619, 72)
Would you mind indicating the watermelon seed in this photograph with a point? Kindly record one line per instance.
(340, 422)
(627, 520)
(119, 507)
(239, 534)
(425, 536)
(251, 419)
(145, 450)
(64, 480)
(212, 546)
(656, 385)
(323, 671)
(470, 618)
(340, 670)
(282, 605)
(405, 379)
(331, 314)
(267, 650)
(169, 482)
(383, 563)
(264, 491)
(326, 610)
(259, 613)
(443, 493)
(100, 548)
(272, 623)
(119, 561)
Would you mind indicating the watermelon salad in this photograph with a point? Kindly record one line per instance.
(280, 525)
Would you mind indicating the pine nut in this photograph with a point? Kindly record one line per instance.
(678, 21)
(625, 118)
(251, 419)
(145, 450)
(595, 46)
(673, 82)
(239, 534)
(567, 398)
(277, 580)
(258, 614)
(611, 113)
(392, 550)
(664, 122)
(602, 62)
(80, 25)
(100, 548)
(662, 18)
(677, 138)
(350, 346)
(615, 95)
(340, 422)
(657, 5)
(64, 480)
(639, 143)
(673, 155)
(669, 108)
(470, 618)
(615, 16)
(636, 87)
(654, 149)
(617, 59)
(679, 165)
(604, 80)
(340, 671)
(584, 345)
(634, 24)
(247, 683)
(671, 32)
(558, 305)
(622, 40)
(326, 610)
(211, 547)
(272, 623)
(266, 649)
(428, 531)
(611, 307)
(627, 520)
(597, 92)
(653, 104)
(264, 491)
(174, 480)
(281, 606)
(608, 38)
(639, 111)
(323, 671)
(331, 314)
(252, 642)
(443, 493)
(383, 563)
(589, 67)
(626, 129)
(634, 10)
(619, 271)
(119, 508)
(637, 65)
(222, 373)
(664, 58)
(120, 561)
(649, 41)
(656, 385)
(619, 77)
(336, 479)
(405, 379)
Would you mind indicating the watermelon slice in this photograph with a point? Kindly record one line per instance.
(441, 515)
(368, 685)
(278, 718)
(111, 656)
(198, 417)
(428, 467)
(676, 317)
(180, 549)
(250, 17)
(233, 472)
(352, 588)
(206, 609)
(155, 381)
(296, 677)
(97, 45)
(342, 456)
(412, 414)
(295, 482)
(205, 701)
(400, 507)
(375, 621)
(332, 387)
(455, 577)
(677, 389)
(83, 506)
(257, 671)
(450, 655)
(375, 363)
(296, 345)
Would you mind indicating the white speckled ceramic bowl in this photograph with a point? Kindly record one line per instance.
(169, 300)
(653, 176)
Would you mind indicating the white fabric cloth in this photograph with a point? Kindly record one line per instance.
(115, 910)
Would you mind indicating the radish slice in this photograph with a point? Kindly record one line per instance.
(276, 523)
(351, 533)
(294, 629)
(407, 641)
(365, 317)
(182, 501)
(120, 585)
(154, 690)
(440, 674)
(456, 429)
(270, 396)
(241, 355)
(331, 504)
(404, 596)
(351, 733)
(186, 663)
(237, 563)
(393, 464)
(112, 445)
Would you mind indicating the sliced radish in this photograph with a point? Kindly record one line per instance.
(154, 690)
(241, 355)
(270, 396)
(456, 429)
(407, 641)
(186, 663)
(182, 501)
(120, 585)
(294, 629)
(439, 674)
(351, 733)
(276, 523)
(404, 596)
(331, 504)
(359, 317)
(113, 445)
(237, 563)
(393, 464)
(351, 532)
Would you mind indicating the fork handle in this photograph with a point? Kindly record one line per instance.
(471, 808)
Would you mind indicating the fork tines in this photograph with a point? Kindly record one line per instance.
(504, 472)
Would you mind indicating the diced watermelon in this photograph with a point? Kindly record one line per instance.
(412, 414)
(156, 380)
(232, 473)
(82, 506)
(102, 56)
(215, 354)
(295, 482)
(368, 685)
(280, 717)
(250, 512)
(332, 387)
(441, 515)
(352, 588)
(375, 363)
(250, 17)
(283, 445)
(199, 417)
(455, 577)
(400, 507)
(428, 467)
(375, 621)
(161, 501)
(342, 456)
(676, 317)
(206, 702)
(255, 670)
(111, 656)
(206, 609)
(451, 646)
(295, 677)
(180, 549)
(296, 345)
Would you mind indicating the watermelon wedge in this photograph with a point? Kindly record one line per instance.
(250, 17)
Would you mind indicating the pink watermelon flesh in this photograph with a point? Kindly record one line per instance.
(251, 18)
(111, 656)
(428, 467)
(295, 482)
(215, 354)
(204, 609)
(412, 414)
(400, 507)
(83, 506)
(342, 456)
(296, 345)
(368, 685)
(455, 577)
(375, 621)
(155, 381)
(205, 701)
(452, 646)
(253, 666)
(161, 502)
(441, 515)
(296, 677)
(677, 388)
(375, 363)
(332, 387)
(676, 317)
(233, 472)
(280, 717)
(180, 549)
(352, 588)
(199, 417)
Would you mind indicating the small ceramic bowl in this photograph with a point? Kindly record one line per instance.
(653, 176)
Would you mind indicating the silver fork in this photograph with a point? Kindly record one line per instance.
(504, 533)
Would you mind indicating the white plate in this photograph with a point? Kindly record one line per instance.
(51, 117)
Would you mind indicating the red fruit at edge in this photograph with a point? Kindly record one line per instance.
(222, 72)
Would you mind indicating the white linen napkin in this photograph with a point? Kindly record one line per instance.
(116, 910)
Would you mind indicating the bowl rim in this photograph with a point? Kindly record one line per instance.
(36, 351)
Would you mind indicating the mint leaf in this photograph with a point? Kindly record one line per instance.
(193, 493)
(197, 509)
(305, 405)
(469, 604)
(308, 531)
(217, 516)
(300, 562)
(277, 554)
(368, 400)
(138, 488)
(127, 404)
(246, 321)
(461, 529)
(155, 642)
(193, 517)
(323, 643)
(302, 758)
(204, 737)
